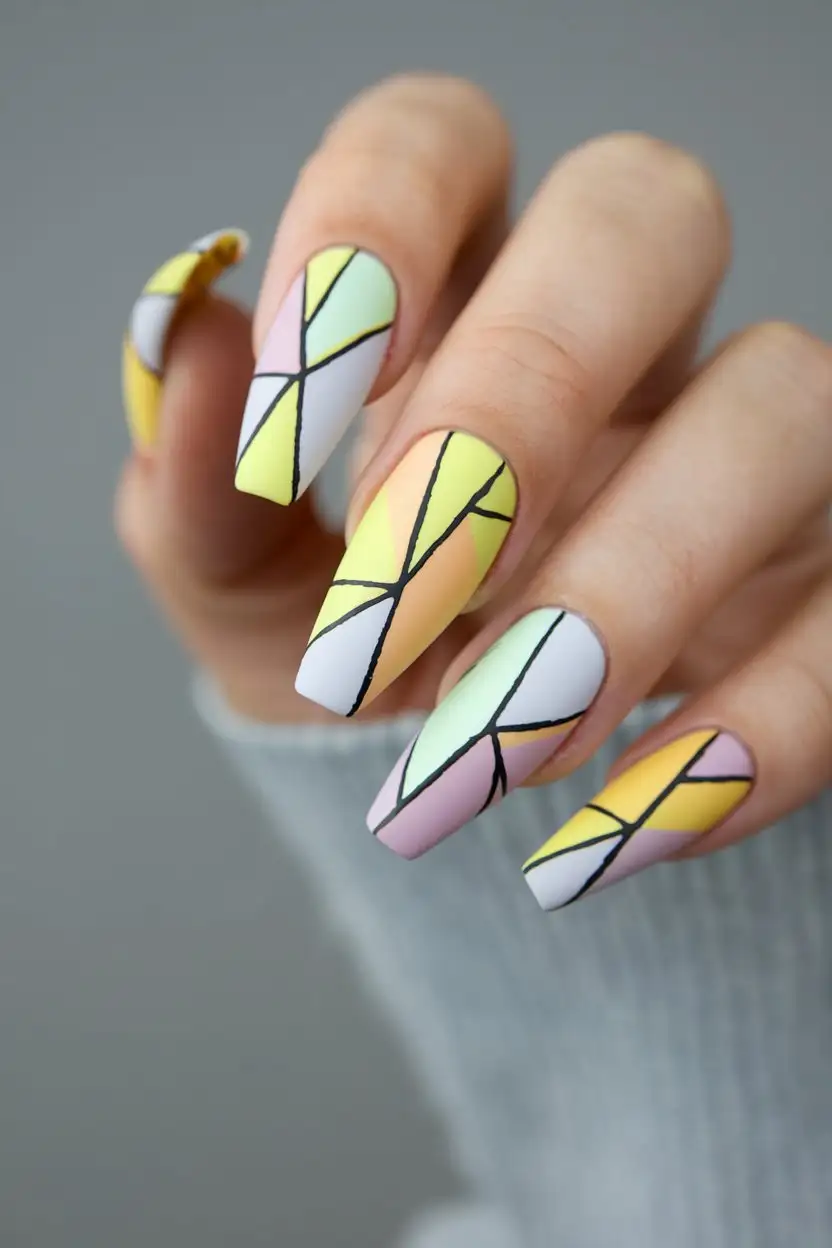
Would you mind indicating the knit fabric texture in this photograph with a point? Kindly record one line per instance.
(648, 1067)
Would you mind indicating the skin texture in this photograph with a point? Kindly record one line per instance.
(679, 505)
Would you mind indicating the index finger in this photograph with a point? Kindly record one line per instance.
(405, 175)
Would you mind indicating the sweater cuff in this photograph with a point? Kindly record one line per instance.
(342, 739)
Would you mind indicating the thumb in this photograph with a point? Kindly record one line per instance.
(240, 579)
(185, 417)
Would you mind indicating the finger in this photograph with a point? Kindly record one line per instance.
(730, 763)
(742, 458)
(179, 513)
(671, 372)
(172, 289)
(609, 265)
(471, 266)
(406, 174)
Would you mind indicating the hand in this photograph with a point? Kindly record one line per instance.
(545, 465)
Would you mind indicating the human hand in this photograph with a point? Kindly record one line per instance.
(545, 464)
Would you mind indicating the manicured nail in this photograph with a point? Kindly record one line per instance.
(170, 289)
(509, 713)
(660, 804)
(318, 364)
(423, 547)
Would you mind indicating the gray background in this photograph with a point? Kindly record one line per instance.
(172, 1018)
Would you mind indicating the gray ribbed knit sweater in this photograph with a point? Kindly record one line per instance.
(649, 1068)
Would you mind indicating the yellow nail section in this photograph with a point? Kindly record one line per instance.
(656, 807)
(422, 549)
(319, 361)
(171, 288)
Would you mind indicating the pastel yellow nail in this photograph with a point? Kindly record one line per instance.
(652, 810)
(171, 289)
(423, 547)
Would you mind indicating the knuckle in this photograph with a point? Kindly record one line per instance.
(435, 120)
(673, 566)
(442, 101)
(418, 193)
(467, 112)
(778, 339)
(682, 570)
(631, 147)
(645, 164)
(526, 367)
(791, 358)
(437, 90)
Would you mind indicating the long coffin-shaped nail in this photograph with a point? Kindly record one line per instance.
(508, 714)
(318, 364)
(179, 280)
(660, 804)
(423, 547)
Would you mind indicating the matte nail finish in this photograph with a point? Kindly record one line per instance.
(507, 715)
(317, 366)
(179, 280)
(660, 804)
(423, 547)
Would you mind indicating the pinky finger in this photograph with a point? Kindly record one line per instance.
(727, 764)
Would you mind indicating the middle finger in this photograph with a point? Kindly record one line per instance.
(615, 254)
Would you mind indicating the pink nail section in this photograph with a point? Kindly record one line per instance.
(281, 350)
(507, 716)
(725, 757)
(448, 801)
(660, 804)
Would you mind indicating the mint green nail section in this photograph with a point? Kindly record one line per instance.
(470, 706)
(371, 289)
(504, 719)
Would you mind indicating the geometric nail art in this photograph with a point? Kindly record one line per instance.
(421, 550)
(653, 809)
(318, 364)
(510, 713)
(179, 281)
